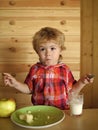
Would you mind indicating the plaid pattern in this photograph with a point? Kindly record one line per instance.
(50, 85)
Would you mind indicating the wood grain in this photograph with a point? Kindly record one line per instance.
(19, 20)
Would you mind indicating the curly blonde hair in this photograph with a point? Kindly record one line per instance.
(48, 34)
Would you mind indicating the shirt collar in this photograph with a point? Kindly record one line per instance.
(51, 66)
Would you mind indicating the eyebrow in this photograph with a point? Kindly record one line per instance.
(49, 46)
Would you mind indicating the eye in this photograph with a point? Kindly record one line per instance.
(53, 48)
(42, 49)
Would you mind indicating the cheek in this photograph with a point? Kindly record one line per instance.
(58, 53)
(42, 56)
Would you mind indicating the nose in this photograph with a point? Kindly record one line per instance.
(47, 52)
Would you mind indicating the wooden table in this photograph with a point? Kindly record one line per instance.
(87, 121)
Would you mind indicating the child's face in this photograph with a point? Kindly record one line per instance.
(49, 53)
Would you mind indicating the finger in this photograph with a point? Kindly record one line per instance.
(6, 74)
(90, 76)
(6, 82)
(91, 80)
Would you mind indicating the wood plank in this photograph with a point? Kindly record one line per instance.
(95, 53)
(15, 67)
(86, 46)
(30, 27)
(13, 52)
(39, 3)
(28, 39)
(39, 13)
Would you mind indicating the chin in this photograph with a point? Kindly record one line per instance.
(50, 64)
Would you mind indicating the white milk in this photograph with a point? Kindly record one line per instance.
(76, 108)
(76, 104)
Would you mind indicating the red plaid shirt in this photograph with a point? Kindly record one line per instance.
(49, 85)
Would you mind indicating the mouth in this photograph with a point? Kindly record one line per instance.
(48, 59)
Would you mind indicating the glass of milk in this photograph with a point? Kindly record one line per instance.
(76, 104)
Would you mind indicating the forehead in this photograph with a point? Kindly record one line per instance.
(49, 44)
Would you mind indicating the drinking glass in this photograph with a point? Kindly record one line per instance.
(76, 104)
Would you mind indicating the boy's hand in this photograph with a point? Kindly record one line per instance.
(9, 79)
(89, 78)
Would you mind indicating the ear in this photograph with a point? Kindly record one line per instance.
(63, 48)
(60, 51)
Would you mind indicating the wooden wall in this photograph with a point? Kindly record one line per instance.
(89, 48)
(19, 20)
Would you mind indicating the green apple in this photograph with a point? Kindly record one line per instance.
(7, 106)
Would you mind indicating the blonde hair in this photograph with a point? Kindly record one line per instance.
(47, 34)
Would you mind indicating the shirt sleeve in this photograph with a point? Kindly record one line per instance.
(29, 79)
(70, 79)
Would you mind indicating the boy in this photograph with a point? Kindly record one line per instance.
(49, 81)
